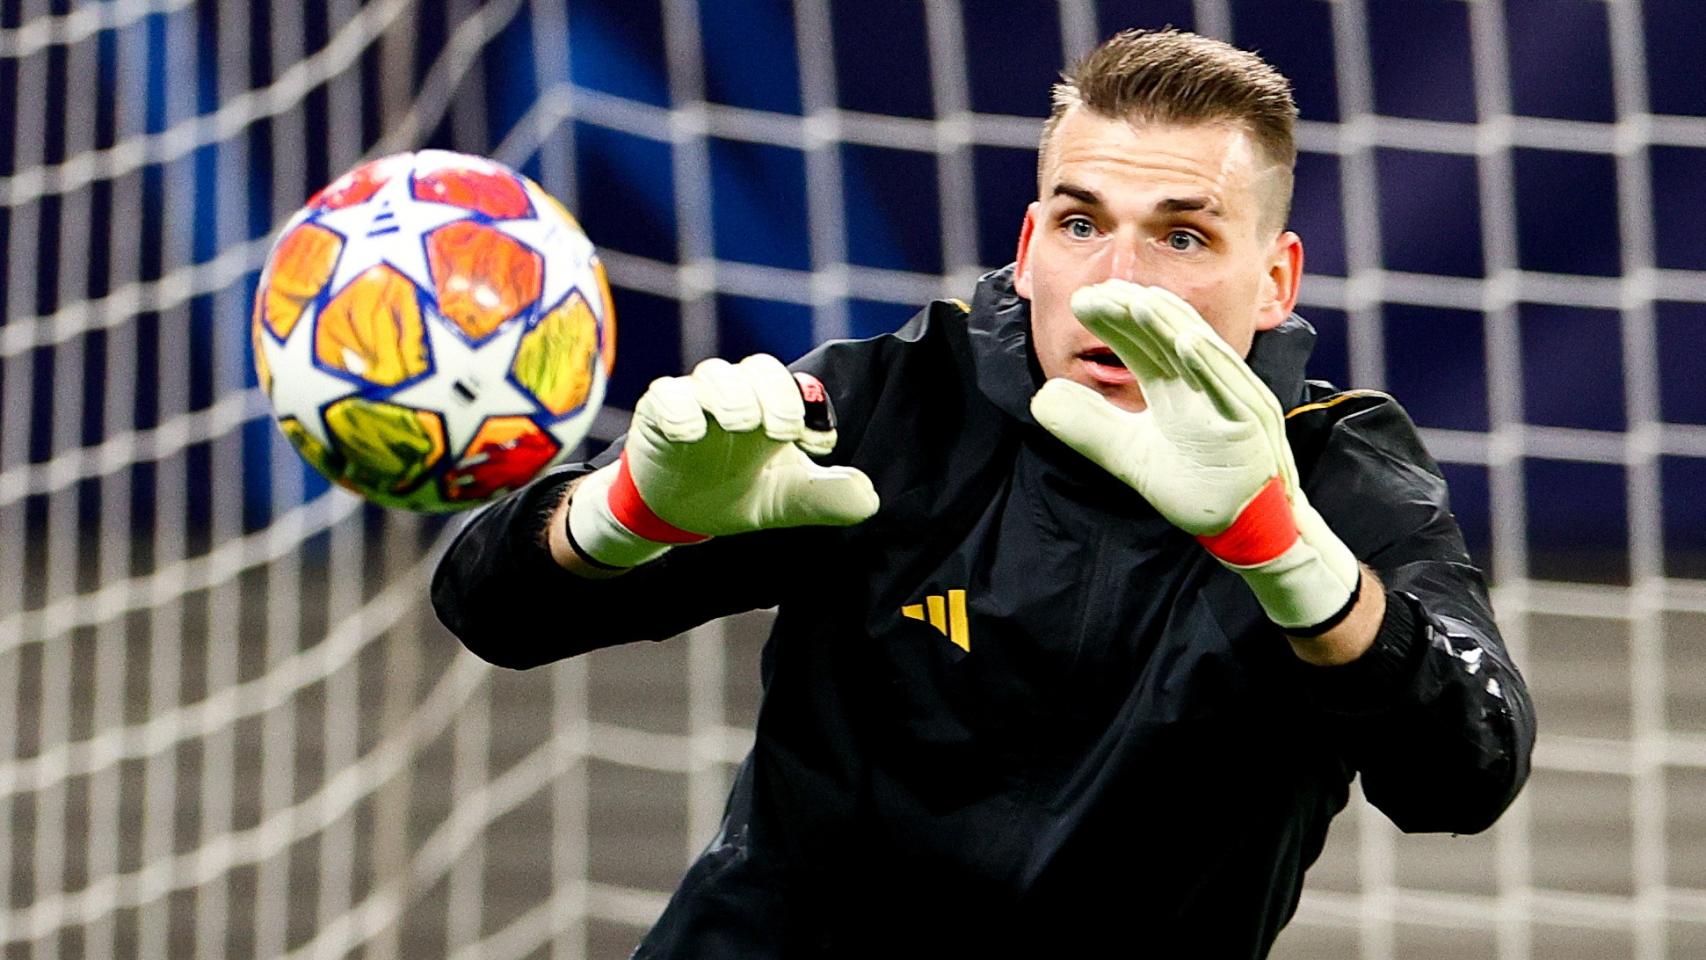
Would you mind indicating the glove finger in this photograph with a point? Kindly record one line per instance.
(1177, 389)
(783, 412)
(1232, 377)
(1167, 385)
(1237, 375)
(1105, 309)
(1151, 330)
(724, 391)
(809, 494)
(1226, 403)
(1185, 327)
(1223, 372)
(1179, 323)
(1085, 421)
(818, 443)
(670, 408)
(1175, 312)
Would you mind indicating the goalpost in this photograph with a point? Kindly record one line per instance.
(235, 728)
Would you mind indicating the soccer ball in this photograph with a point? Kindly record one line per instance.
(433, 330)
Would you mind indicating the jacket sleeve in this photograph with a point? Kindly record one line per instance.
(1435, 715)
(500, 592)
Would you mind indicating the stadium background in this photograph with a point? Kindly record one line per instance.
(232, 727)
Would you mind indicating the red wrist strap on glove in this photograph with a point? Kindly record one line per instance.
(631, 511)
(1263, 530)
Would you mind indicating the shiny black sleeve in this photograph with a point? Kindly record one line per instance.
(498, 590)
(1435, 716)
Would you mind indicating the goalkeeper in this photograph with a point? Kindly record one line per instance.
(1090, 606)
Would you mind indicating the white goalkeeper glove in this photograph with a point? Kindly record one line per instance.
(1209, 453)
(719, 452)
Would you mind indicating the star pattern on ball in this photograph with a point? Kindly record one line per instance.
(563, 251)
(394, 212)
(300, 388)
(469, 382)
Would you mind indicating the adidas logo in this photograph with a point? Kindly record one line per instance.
(947, 614)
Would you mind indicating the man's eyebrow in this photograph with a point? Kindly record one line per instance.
(1081, 194)
(1190, 205)
(1089, 197)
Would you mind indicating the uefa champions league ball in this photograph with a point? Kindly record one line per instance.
(433, 330)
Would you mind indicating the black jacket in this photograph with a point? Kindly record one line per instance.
(1112, 749)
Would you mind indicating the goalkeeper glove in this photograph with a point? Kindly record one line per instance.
(719, 452)
(1209, 452)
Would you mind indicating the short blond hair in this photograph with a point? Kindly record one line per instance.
(1171, 76)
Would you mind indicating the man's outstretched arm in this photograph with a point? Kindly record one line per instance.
(1404, 648)
(1435, 714)
(653, 537)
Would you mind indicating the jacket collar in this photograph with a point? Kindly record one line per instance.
(1007, 371)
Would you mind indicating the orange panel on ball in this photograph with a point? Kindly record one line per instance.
(263, 370)
(472, 183)
(298, 269)
(504, 455)
(372, 328)
(482, 276)
(555, 358)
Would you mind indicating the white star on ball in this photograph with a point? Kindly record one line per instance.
(390, 228)
(300, 388)
(468, 383)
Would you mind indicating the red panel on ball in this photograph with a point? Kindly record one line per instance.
(469, 182)
(360, 184)
(503, 456)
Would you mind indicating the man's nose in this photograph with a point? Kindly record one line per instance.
(1124, 263)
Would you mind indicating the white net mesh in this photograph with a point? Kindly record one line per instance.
(236, 729)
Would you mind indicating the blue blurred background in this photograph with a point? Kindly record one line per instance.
(1423, 172)
(239, 732)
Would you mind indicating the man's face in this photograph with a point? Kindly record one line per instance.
(1174, 206)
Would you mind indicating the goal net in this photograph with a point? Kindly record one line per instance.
(232, 726)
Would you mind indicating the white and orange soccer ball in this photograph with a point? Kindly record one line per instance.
(433, 330)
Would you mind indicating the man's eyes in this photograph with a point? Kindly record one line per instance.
(1080, 227)
(1184, 241)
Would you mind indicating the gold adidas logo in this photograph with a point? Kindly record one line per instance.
(946, 614)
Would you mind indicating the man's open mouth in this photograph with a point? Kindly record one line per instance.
(1103, 356)
(1103, 366)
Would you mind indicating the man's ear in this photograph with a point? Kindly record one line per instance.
(1022, 271)
(1279, 286)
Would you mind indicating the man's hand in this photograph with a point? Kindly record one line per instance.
(719, 452)
(1209, 452)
